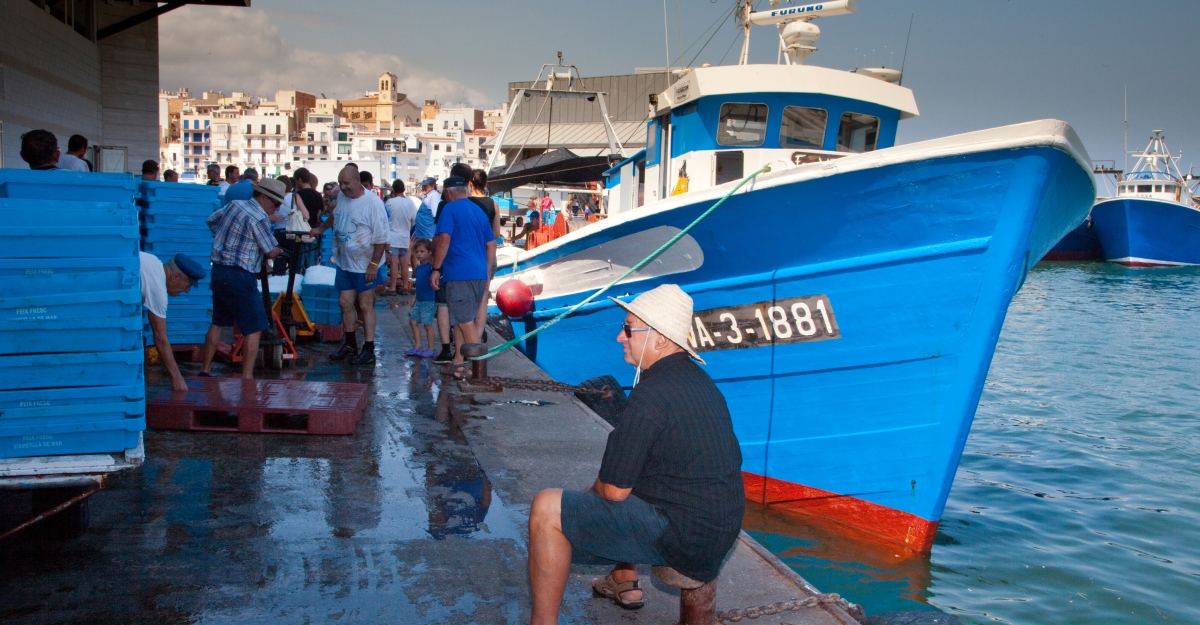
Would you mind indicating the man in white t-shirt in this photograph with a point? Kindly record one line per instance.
(72, 160)
(401, 211)
(159, 280)
(360, 237)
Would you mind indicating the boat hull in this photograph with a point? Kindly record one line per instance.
(1079, 244)
(1141, 232)
(918, 259)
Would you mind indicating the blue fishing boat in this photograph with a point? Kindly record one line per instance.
(1154, 221)
(848, 300)
(1079, 244)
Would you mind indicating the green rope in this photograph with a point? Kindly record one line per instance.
(652, 256)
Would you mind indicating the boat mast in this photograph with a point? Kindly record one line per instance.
(744, 16)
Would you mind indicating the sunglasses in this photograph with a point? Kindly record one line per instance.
(629, 330)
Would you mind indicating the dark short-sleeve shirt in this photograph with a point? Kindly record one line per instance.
(313, 202)
(674, 446)
(470, 232)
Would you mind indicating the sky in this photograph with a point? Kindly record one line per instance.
(972, 64)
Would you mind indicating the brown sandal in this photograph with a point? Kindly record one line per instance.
(612, 589)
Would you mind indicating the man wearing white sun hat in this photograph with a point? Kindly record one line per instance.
(669, 490)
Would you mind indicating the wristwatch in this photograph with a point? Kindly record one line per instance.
(437, 269)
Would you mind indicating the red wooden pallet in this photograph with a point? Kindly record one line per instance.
(267, 406)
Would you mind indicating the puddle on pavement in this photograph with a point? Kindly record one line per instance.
(232, 527)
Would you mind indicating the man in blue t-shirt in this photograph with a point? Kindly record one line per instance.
(463, 249)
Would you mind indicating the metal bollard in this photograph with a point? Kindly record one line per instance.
(697, 602)
(698, 606)
(478, 367)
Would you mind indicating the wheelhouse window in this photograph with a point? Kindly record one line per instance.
(1144, 188)
(1158, 188)
(742, 123)
(857, 133)
(803, 127)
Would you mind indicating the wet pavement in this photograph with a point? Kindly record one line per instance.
(399, 523)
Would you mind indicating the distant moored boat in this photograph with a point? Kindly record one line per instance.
(1154, 221)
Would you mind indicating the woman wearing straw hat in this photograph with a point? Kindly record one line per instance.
(669, 490)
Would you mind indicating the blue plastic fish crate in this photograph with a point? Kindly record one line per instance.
(67, 185)
(152, 221)
(198, 251)
(57, 241)
(325, 317)
(87, 420)
(56, 437)
(45, 371)
(60, 402)
(22, 277)
(153, 190)
(178, 207)
(70, 420)
(54, 306)
(62, 336)
(35, 213)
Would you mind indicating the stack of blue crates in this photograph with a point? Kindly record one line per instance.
(70, 314)
(173, 217)
(321, 298)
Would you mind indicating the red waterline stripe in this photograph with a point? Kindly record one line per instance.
(862, 519)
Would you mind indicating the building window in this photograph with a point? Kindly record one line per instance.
(206, 136)
(262, 129)
(186, 161)
(428, 127)
(248, 131)
(206, 152)
(742, 123)
(343, 148)
(858, 133)
(185, 124)
(324, 149)
(324, 136)
(277, 129)
(263, 156)
(436, 147)
(310, 149)
(206, 124)
(187, 137)
(341, 136)
(803, 127)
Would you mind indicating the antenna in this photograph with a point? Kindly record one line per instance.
(904, 59)
(1126, 127)
(667, 39)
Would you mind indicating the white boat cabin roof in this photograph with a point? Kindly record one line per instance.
(699, 82)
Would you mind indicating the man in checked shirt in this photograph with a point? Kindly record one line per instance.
(242, 242)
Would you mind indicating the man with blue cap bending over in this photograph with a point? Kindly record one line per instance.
(159, 280)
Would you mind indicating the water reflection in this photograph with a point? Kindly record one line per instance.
(878, 577)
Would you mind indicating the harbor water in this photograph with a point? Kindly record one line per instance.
(1076, 498)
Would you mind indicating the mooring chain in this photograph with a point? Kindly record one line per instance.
(734, 616)
(548, 386)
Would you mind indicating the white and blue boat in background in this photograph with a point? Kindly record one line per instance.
(849, 301)
(1153, 221)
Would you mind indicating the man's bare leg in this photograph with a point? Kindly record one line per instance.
(549, 557)
(349, 312)
(466, 334)
(250, 354)
(393, 272)
(366, 303)
(211, 340)
(443, 324)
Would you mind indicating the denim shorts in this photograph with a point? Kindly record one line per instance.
(349, 281)
(608, 532)
(237, 300)
(423, 313)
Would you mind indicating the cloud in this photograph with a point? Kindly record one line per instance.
(227, 49)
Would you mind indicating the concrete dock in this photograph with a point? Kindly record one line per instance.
(419, 517)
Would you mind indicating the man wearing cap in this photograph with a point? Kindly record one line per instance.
(669, 490)
(360, 237)
(242, 241)
(463, 249)
(424, 227)
(159, 280)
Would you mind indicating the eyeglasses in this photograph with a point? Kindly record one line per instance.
(629, 330)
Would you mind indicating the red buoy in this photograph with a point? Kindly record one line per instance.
(514, 298)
